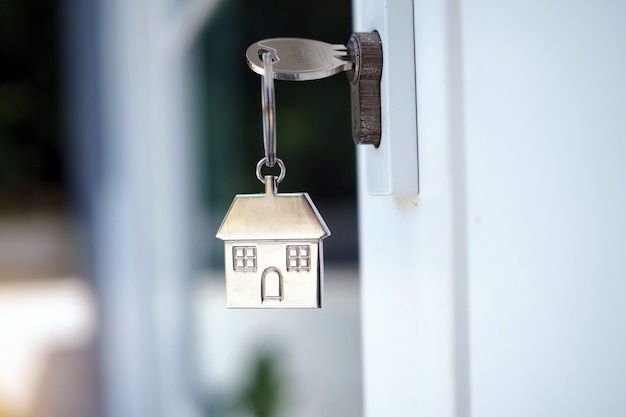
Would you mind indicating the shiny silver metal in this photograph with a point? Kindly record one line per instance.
(273, 250)
(297, 59)
(268, 104)
(281, 165)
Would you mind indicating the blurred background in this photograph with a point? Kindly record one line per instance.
(126, 128)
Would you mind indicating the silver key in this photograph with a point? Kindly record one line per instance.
(296, 59)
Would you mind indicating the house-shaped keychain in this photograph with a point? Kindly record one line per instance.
(273, 250)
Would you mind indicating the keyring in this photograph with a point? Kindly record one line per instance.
(281, 165)
(268, 104)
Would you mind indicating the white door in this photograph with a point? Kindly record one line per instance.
(499, 290)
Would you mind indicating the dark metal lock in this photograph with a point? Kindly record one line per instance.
(366, 52)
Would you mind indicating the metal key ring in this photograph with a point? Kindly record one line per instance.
(281, 165)
(269, 109)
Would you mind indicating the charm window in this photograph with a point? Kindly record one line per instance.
(299, 258)
(244, 258)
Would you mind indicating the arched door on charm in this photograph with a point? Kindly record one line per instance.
(272, 284)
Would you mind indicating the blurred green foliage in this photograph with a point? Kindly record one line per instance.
(31, 157)
(262, 392)
(262, 395)
(313, 118)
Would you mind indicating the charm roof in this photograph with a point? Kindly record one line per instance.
(272, 216)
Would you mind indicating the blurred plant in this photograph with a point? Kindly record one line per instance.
(263, 393)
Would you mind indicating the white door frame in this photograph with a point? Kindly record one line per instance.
(501, 288)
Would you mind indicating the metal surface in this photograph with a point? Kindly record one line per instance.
(297, 59)
(281, 165)
(268, 105)
(366, 52)
(273, 250)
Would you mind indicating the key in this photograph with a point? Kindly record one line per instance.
(296, 59)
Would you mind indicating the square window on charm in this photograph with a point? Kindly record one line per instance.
(299, 258)
(244, 258)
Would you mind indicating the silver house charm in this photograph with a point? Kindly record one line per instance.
(273, 250)
(273, 242)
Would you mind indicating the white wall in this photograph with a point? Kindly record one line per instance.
(501, 290)
(545, 100)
